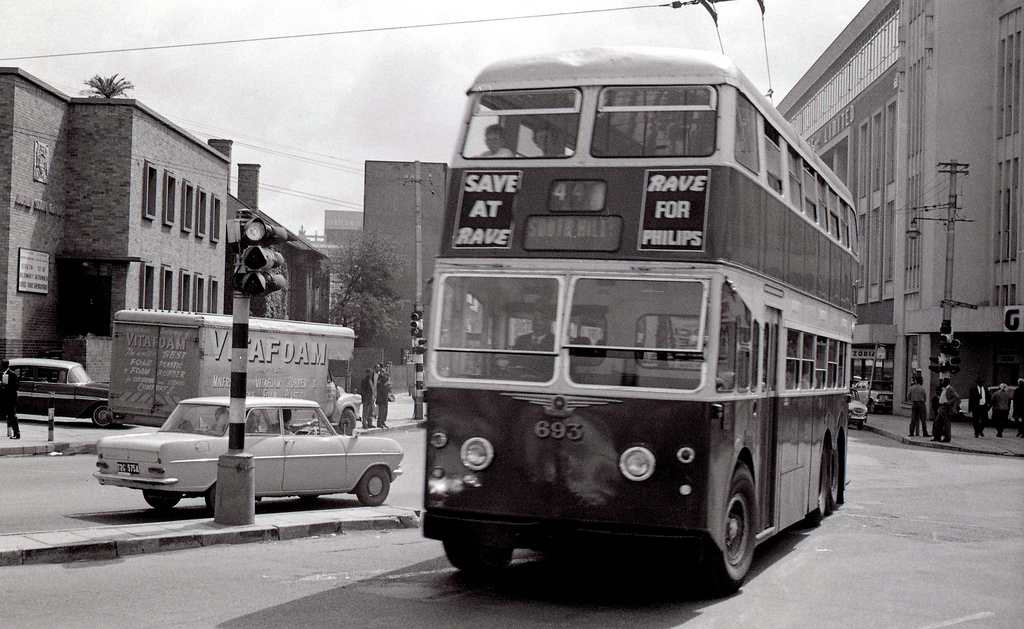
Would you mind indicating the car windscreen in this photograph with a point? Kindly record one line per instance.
(198, 419)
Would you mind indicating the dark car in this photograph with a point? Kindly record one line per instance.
(75, 393)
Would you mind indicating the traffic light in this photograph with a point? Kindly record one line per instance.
(257, 262)
(948, 361)
(419, 346)
(416, 324)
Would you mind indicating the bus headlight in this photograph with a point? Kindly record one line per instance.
(476, 453)
(637, 463)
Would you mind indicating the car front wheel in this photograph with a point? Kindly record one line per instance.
(373, 487)
(161, 501)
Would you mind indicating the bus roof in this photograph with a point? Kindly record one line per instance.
(640, 65)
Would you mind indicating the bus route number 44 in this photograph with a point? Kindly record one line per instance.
(558, 430)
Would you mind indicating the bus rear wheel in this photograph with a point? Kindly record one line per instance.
(828, 487)
(728, 566)
(475, 558)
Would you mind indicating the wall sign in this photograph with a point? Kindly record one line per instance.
(33, 271)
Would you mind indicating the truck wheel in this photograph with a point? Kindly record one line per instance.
(373, 487)
(348, 422)
(101, 416)
(729, 565)
(161, 501)
(475, 558)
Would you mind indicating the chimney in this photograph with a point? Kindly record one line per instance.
(223, 146)
(249, 185)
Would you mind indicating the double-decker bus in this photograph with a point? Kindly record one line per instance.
(641, 315)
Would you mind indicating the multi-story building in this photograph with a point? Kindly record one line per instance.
(916, 106)
(107, 205)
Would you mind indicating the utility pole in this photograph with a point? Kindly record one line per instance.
(418, 306)
(948, 347)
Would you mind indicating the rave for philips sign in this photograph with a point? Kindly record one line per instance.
(674, 214)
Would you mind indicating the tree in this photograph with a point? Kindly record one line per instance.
(107, 87)
(361, 278)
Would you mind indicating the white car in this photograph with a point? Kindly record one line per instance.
(295, 449)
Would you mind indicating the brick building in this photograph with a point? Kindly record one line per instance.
(108, 205)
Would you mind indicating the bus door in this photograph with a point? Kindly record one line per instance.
(769, 420)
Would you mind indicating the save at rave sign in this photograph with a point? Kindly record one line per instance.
(674, 213)
(485, 209)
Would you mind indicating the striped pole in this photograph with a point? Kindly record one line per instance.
(235, 499)
(239, 365)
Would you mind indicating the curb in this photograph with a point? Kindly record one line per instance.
(936, 445)
(73, 545)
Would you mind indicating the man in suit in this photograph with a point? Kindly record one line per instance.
(978, 403)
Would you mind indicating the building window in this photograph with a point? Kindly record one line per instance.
(214, 296)
(890, 143)
(150, 190)
(200, 293)
(215, 220)
(185, 296)
(1008, 174)
(166, 288)
(170, 197)
(201, 214)
(147, 286)
(889, 237)
(1008, 77)
(188, 203)
(876, 152)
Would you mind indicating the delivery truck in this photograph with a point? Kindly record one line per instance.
(159, 358)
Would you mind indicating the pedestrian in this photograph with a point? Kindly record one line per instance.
(918, 408)
(1018, 406)
(1001, 408)
(949, 403)
(383, 397)
(9, 399)
(978, 404)
(366, 395)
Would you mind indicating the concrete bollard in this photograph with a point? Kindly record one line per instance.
(49, 419)
(235, 499)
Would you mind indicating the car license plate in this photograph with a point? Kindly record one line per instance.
(127, 468)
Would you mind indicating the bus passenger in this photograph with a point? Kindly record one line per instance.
(497, 146)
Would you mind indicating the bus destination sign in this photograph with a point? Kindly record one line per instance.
(485, 209)
(674, 215)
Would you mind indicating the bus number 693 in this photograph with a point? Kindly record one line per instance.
(558, 430)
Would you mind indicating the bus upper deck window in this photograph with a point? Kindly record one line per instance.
(655, 121)
(523, 124)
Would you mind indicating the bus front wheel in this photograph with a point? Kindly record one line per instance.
(728, 566)
(476, 558)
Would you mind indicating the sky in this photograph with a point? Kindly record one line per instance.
(369, 79)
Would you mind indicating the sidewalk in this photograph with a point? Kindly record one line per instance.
(897, 427)
(110, 542)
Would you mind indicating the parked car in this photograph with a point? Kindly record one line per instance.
(75, 393)
(296, 453)
(858, 413)
(876, 395)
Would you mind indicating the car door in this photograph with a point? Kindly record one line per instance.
(27, 402)
(54, 380)
(264, 441)
(314, 455)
